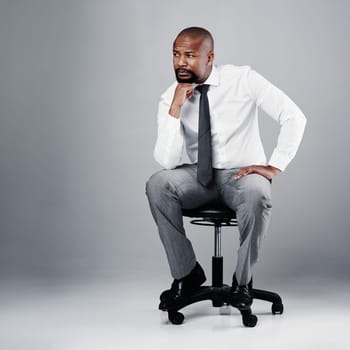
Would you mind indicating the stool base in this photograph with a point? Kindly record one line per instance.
(219, 294)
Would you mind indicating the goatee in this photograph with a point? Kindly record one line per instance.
(190, 80)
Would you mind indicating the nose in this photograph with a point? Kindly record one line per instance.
(182, 62)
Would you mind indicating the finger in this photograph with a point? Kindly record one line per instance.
(247, 170)
(189, 93)
(239, 174)
(244, 172)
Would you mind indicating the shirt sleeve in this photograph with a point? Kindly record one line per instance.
(170, 139)
(281, 108)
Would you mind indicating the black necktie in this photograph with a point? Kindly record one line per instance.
(204, 165)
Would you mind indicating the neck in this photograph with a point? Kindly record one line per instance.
(202, 80)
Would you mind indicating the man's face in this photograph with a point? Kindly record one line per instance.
(192, 59)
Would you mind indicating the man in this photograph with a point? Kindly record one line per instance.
(212, 113)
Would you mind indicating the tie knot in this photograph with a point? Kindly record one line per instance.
(203, 88)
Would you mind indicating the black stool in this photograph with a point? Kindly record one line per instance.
(219, 215)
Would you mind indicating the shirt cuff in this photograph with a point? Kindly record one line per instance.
(279, 161)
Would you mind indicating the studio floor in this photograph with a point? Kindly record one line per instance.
(124, 315)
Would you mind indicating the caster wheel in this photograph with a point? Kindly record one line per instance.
(277, 309)
(249, 320)
(175, 317)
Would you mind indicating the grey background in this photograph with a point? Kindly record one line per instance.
(80, 83)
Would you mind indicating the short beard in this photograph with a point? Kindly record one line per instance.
(192, 79)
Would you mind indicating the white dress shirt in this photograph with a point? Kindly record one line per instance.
(235, 93)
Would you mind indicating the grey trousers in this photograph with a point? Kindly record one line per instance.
(169, 191)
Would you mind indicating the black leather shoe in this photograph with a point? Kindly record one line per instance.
(240, 295)
(183, 287)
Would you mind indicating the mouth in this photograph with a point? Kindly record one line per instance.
(183, 72)
(184, 75)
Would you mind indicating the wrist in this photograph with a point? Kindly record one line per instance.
(174, 111)
(274, 169)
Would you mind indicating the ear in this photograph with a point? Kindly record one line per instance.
(210, 58)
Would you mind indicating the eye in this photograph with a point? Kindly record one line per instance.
(175, 54)
(190, 55)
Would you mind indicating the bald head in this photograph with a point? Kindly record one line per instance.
(198, 33)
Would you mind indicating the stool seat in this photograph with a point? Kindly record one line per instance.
(211, 212)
